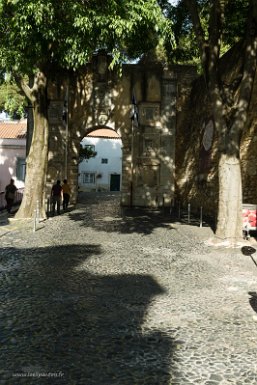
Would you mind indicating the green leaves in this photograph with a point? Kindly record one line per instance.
(11, 99)
(65, 33)
(233, 21)
(86, 153)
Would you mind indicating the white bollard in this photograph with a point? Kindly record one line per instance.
(188, 212)
(35, 221)
(37, 213)
(201, 216)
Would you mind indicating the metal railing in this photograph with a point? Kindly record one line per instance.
(17, 198)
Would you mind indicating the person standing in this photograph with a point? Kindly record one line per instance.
(10, 191)
(66, 194)
(56, 195)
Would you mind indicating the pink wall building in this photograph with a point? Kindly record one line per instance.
(12, 152)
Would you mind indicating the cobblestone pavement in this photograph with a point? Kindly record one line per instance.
(97, 296)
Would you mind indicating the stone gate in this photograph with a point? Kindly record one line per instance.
(141, 105)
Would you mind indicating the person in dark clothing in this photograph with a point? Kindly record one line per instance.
(10, 191)
(56, 195)
(66, 194)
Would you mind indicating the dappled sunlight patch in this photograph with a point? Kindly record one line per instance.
(227, 243)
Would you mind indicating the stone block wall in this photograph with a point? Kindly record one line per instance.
(100, 98)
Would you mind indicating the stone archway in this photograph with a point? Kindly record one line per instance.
(141, 105)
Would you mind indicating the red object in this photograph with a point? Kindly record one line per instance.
(249, 216)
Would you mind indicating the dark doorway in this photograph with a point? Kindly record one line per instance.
(115, 182)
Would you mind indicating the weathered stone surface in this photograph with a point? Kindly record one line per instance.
(100, 98)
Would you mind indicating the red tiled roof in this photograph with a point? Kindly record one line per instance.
(13, 130)
(104, 133)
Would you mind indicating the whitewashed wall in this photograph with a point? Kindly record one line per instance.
(110, 149)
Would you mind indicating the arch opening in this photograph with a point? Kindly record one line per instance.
(101, 169)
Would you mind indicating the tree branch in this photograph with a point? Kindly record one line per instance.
(23, 85)
(197, 26)
(250, 62)
(215, 25)
(203, 45)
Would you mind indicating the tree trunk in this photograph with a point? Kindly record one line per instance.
(229, 216)
(36, 164)
(229, 221)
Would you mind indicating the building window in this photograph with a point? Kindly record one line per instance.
(88, 177)
(104, 160)
(20, 169)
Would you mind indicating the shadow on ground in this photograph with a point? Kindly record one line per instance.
(249, 251)
(57, 317)
(4, 216)
(111, 217)
(130, 221)
(253, 300)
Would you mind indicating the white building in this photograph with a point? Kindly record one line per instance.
(12, 152)
(103, 172)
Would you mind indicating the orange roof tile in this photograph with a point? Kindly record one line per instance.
(13, 129)
(104, 133)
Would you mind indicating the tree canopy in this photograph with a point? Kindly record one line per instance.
(186, 49)
(86, 152)
(39, 34)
